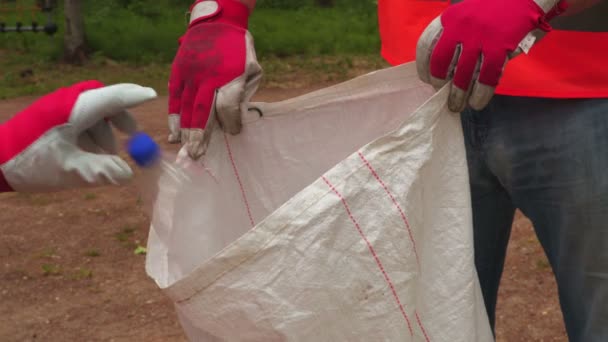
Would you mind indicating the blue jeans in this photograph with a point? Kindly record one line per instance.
(549, 158)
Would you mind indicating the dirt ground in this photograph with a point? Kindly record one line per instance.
(68, 271)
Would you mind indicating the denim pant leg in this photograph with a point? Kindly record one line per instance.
(492, 211)
(551, 159)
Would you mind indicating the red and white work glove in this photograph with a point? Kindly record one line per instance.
(214, 74)
(471, 41)
(65, 140)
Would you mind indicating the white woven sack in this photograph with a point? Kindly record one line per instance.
(299, 229)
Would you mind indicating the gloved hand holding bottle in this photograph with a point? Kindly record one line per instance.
(65, 140)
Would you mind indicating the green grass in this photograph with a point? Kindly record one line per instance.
(135, 41)
(27, 76)
(148, 34)
(315, 31)
(140, 250)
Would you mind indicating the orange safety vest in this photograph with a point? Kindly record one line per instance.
(569, 62)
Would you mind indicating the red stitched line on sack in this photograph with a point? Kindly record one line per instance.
(238, 178)
(421, 327)
(371, 249)
(401, 212)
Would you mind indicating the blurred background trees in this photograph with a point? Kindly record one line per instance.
(319, 36)
(147, 30)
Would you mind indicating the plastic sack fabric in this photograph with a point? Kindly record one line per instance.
(339, 215)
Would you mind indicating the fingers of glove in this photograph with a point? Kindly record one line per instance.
(444, 58)
(173, 121)
(101, 135)
(98, 169)
(203, 105)
(198, 142)
(481, 96)
(424, 49)
(452, 56)
(195, 145)
(94, 105)
(174, 128)
(187, 106)
(492, 66)
(185, 135)
(458, 97)
(197, 138)
(493, 63)
(86, 143)
(438, 83)
(124, 122)
(465, 68)
(176, 87)
(228, 105)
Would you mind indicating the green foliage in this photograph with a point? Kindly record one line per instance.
(140, 250)
(298, 4)
(284, 4)
(145, 31)
(315, 31)
(135, 40)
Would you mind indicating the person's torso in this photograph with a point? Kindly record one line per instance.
(570, 61)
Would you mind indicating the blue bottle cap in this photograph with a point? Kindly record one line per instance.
(143, 149)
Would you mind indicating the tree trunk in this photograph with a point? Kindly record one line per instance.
(74, 38)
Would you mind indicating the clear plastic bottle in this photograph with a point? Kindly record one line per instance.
(158, 169)
(190, 212)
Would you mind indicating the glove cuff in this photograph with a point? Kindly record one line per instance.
(231, 12)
